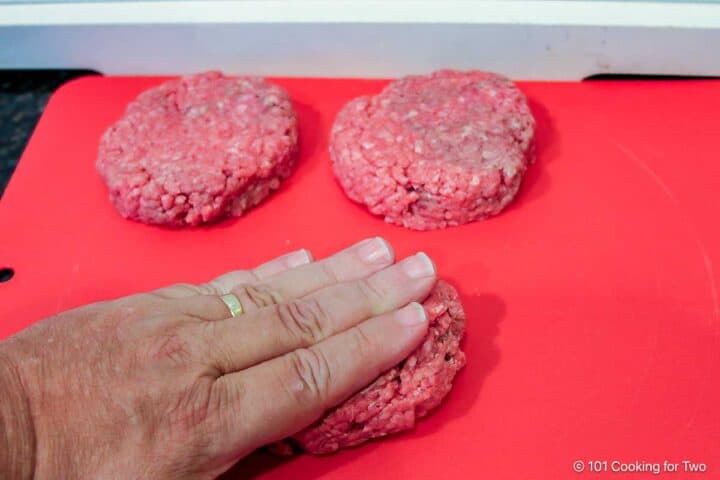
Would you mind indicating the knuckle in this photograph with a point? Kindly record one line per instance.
(311, 374)
(362, 346)
(221, 398)
(210, 288)
(305, 320)
(215, 351)
(327, 270)
(371, 292)
(194, 404)
(259, 296)
(254, 277)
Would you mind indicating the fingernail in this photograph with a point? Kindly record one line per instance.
(412, 314)
(375, 251)
(300, 257)
(418, 266)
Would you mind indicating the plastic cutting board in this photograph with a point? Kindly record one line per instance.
(592, 302)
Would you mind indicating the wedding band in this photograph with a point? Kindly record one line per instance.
(233, 304)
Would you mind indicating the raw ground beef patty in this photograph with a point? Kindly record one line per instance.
(435, 151)
(199, 148)
(397, 398)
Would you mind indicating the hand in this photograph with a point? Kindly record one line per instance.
(167, 385)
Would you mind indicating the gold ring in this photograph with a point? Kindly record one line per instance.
(233, 304)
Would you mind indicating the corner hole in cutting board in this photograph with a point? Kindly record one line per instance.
(6, 273)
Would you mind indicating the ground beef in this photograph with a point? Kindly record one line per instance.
(199, 148)
(397, 398)
(435, 151)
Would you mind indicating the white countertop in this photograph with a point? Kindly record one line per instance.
(339, 38)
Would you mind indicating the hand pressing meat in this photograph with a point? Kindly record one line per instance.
(399, 396)
(184, 381)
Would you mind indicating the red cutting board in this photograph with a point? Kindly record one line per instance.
(592, 302)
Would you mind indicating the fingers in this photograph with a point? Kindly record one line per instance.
(303, 322)
(358, 261)
(285, 278)
(281, 396)
(225, 282)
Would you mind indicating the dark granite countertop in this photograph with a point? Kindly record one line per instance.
(23, 95)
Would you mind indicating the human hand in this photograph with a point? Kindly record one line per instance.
(167, 384)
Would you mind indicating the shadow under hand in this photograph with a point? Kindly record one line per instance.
(254, 465)
(484, 313)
